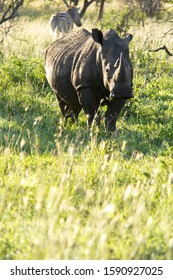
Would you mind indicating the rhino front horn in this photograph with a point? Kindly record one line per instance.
(121, 68)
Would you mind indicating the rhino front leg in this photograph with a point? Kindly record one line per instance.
(90, 105)
(113, 110)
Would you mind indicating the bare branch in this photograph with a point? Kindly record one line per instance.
(162, 48)
(166, 33)
(85, 6)
(8, 16)
(100, 16)
(9, 11)
(65, 2)
(75, 3)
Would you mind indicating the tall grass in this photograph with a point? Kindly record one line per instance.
(67, 193)
(88, 204)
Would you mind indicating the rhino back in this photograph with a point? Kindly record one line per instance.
(60, 54)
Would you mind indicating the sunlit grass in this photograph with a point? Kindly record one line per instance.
(119, 209)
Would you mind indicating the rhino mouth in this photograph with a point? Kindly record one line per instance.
(79, 24)
(127, 95)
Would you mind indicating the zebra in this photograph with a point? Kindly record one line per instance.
(63, 21)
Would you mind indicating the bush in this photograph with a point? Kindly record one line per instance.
(21, 70)
(121, 20)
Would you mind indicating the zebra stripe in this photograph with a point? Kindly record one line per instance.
(63, 21)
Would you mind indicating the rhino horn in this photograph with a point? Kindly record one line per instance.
(121, 69)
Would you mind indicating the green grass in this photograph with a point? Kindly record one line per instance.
(67, 193)
(88, 204)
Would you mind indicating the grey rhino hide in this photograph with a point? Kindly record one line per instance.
(87, 70)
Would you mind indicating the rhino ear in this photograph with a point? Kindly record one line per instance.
(97, 35)
(128, 38)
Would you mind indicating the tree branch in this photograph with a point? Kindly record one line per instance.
(9, 12)
(162, 48)
(85, 6)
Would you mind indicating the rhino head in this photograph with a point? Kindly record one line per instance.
(116, 66)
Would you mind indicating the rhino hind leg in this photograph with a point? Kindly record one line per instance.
(68, 111)
(90, 105)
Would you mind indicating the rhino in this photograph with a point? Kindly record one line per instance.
(87, 70)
